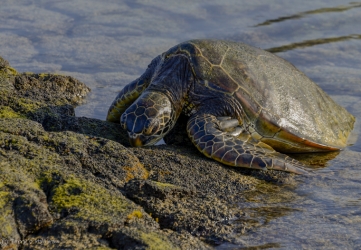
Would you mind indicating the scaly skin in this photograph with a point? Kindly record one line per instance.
(131, 92)
(272, 106)
(148, 119)
(204, 132)
(125, 98)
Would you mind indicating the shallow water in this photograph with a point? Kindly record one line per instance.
(106, 44)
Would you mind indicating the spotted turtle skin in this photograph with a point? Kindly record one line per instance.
(245, 105)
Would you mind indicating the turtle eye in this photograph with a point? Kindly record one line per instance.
(151, 127)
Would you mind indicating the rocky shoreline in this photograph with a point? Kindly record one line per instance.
(74, 182)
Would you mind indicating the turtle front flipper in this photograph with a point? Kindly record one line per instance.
(131, 92)
(209, 135)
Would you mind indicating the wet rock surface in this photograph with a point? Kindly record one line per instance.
(73, 182)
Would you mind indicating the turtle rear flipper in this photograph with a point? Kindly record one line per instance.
(206, 134)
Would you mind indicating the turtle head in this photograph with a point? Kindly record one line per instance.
(149, 118)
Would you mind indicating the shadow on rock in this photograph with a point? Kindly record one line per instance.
(71, 182)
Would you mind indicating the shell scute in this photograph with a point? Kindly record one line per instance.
(219, 80)
(212, 52)
(267, 124)
(249, 105)
(280, 102)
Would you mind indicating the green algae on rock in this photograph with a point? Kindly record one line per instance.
(60, 178)
(71, 182)
(101, 205)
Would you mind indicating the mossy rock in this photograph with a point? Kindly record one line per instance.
(61, 176)
(72, 182)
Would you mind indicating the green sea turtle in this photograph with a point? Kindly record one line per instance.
(245, 105)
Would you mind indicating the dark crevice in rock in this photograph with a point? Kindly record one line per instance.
(71, 182)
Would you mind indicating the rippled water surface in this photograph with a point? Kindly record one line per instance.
(106, 44)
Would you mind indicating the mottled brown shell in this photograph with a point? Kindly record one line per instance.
(285, 109)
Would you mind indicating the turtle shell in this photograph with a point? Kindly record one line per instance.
(283, 107)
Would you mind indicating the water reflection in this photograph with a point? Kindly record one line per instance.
(108, 44)
(313, 42)
(316, 160)
(259, 247)
(264, 214)
(310, 12)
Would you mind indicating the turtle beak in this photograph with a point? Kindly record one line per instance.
(140, 140)
(135, 141)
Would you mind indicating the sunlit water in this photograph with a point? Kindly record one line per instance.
(106, 44)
